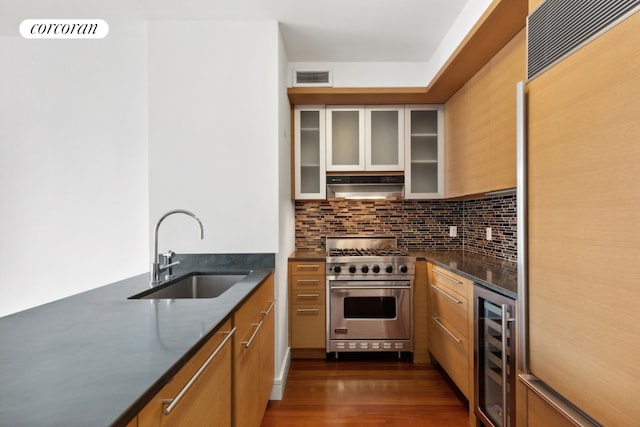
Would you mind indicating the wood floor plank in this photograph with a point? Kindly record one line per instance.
(366, 393)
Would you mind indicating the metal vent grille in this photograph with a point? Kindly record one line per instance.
(559, 26)
(312, 78)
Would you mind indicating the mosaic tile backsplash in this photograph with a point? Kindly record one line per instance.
(418, 224)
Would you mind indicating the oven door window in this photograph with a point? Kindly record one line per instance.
(370, 307)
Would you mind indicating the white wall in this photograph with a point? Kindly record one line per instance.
(286, 218)
(220, 145)
(73, 165)
(213, 139)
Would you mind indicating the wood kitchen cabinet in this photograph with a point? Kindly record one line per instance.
(307, 308)
(363, 138)
(424, 151)
(253, 367)
(207, 402)
(451, 326)
(480, 125)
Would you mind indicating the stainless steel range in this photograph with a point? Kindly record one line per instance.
(369, 294)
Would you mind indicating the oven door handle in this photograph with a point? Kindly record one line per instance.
(370, 287)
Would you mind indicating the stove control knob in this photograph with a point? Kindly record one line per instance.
(376, 268)
(352, 269)
(365, 269)
(403, 268)
(389, 269)
(337, 269)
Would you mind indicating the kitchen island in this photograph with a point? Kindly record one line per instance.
(96, 358)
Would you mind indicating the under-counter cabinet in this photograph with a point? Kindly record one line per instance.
(200, 393)
(424, 151)
(451, 326)
(363, 138)
(307, 308)
(309, 152)
(253, 367)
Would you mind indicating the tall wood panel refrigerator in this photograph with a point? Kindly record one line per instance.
(579, 225)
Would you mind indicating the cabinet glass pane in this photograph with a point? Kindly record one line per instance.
(384, 137)
(424, 148)
(424, 177)
(310, 179)
(424, 122)
(345, 137)
(310, 151)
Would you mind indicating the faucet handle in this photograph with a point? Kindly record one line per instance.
(168, 256)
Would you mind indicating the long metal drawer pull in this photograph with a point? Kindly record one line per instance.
(308, 266)
(308, 280)
(457, 301)
(255, 332)
(451, 279)
(384, 287)
(307, 310)
(266, 313)
(173, 402)
(435, 319)
(308, 295)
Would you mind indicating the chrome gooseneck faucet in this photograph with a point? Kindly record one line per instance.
(156, 268)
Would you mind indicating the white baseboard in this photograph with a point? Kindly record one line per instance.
(277, 392)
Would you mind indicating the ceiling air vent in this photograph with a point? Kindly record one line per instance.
(557, 27)
(312, 78)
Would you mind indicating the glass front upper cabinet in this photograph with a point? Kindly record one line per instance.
(424, 143)
(309, 149)
(384, 138)
(365, 138)
(345, 138)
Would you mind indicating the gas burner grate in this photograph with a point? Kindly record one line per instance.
(336, 252)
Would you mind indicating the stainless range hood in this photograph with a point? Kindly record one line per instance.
(365, 187)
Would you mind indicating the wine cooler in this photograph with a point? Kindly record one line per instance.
(494, 366)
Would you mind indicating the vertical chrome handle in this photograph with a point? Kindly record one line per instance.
(521, 227)
(505, 366)
(173, 402)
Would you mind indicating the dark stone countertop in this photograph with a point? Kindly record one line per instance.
(96, 358)
(493, 273)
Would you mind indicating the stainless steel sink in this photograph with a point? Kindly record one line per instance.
(197, 285)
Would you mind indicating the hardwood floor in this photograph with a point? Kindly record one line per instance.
(366, 393)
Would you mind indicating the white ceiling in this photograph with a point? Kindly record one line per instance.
(343, 30)
(312, 30)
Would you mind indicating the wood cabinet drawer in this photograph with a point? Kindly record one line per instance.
(307, 296)
(308, 326)
(308, 267)
(445, 279)
(308, 283)
(207, 400)
(451, 307)
(451, 350)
